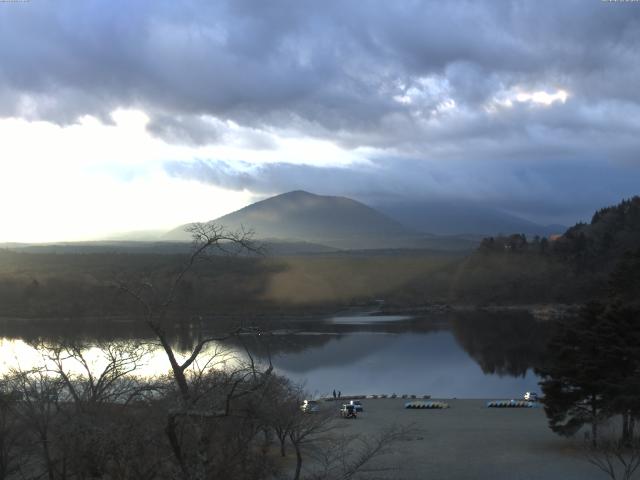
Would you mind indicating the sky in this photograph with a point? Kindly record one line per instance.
(119, 116)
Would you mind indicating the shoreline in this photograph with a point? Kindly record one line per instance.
(468, 441)
(540, 311)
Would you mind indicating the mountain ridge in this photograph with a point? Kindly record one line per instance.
(461, 217)
(335, 221)
(344, 223)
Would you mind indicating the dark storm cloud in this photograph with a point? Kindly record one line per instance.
(535, 190)
(202, 130)
(420, 80)
(190, 131)
(332, 65)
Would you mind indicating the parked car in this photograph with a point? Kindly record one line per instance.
(310, 406)
(348, 411)
(357, 405)
(531, 397)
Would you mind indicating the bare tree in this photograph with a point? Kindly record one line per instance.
(84, 435)
(280, 409)
(192, 413)
(342, 457)
(38, 407)
(106, 378)
(11, 434)
(208, 239)
(306, 429)
(85, 414)
(617, 457)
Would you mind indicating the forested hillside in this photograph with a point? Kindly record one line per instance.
(574, 267)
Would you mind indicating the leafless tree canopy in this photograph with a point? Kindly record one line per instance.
(618, 456)
(86, 412)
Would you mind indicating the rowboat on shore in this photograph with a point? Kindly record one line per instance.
(426, 405)
(510, 404)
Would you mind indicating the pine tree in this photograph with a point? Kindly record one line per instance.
(592, 370)
(574, 379)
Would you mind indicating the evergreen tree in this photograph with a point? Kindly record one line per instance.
(624, 282)
(574, 379)
(592, 370)
(619, 331)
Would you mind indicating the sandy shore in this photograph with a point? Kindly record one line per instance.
(470, 441)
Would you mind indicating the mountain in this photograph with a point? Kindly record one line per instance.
(301, 216)
(461, 217)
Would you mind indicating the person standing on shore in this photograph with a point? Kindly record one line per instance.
(334, 394)
(339, 393)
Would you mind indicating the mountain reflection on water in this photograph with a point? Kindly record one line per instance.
(461, 354)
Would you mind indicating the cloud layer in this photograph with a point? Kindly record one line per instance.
(534, 104)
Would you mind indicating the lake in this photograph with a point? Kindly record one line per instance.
(461, 354)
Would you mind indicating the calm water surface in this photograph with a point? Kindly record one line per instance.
(463, 355)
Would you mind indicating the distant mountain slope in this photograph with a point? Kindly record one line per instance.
(304, 217)
(454, 218)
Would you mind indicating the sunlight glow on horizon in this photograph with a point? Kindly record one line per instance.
(91, 180)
